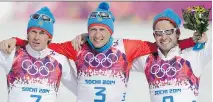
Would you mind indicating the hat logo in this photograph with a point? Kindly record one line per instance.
(99, 19)
(40, 23)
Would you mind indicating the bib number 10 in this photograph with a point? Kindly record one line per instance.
(168, 99)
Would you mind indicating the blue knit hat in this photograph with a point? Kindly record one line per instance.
(39, 23)
(169, 15)
(105, 22)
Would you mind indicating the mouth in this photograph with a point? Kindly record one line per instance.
(36, 43)
(97, 40)
(165, 42)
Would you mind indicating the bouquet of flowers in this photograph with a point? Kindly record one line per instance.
(196, 18)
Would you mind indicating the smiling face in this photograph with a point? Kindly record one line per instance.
(165, 36)
(38, 39)
(99, 36)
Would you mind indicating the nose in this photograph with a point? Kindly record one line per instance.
(164, 36)
(36, 37)
(98, 34)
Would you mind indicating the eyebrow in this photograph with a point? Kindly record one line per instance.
(93, 29)
(102, 29)
(41, 32)
(33, 30)
(164, 30)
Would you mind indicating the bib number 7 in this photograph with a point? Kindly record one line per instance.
(38, 97)
(100, 93)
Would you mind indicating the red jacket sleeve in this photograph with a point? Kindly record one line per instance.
(186, 43)
(20, 42)
(65, 48)
(136, 48)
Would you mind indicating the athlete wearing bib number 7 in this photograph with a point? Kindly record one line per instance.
(173, 75)
(34, 71)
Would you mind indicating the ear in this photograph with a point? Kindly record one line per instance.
(27, 36)
(178, 36)
(153, 35)
(178, 33)
(49, 41)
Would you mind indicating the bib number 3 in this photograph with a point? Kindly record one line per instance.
(100, 93)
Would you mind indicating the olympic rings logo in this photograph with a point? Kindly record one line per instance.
(100, 59)
(166, 69)
(37, 67)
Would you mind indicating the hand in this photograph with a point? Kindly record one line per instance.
(78, 41)
(8, 45)
(201, 39)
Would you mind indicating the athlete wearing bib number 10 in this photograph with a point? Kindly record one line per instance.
(34, 72)
(104, 62)
(173, 75)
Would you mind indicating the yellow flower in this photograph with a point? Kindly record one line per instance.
(189, 9)
(197, 8)
(202, 10)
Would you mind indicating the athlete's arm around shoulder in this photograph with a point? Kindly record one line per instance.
(136, 48)
(64, 48)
